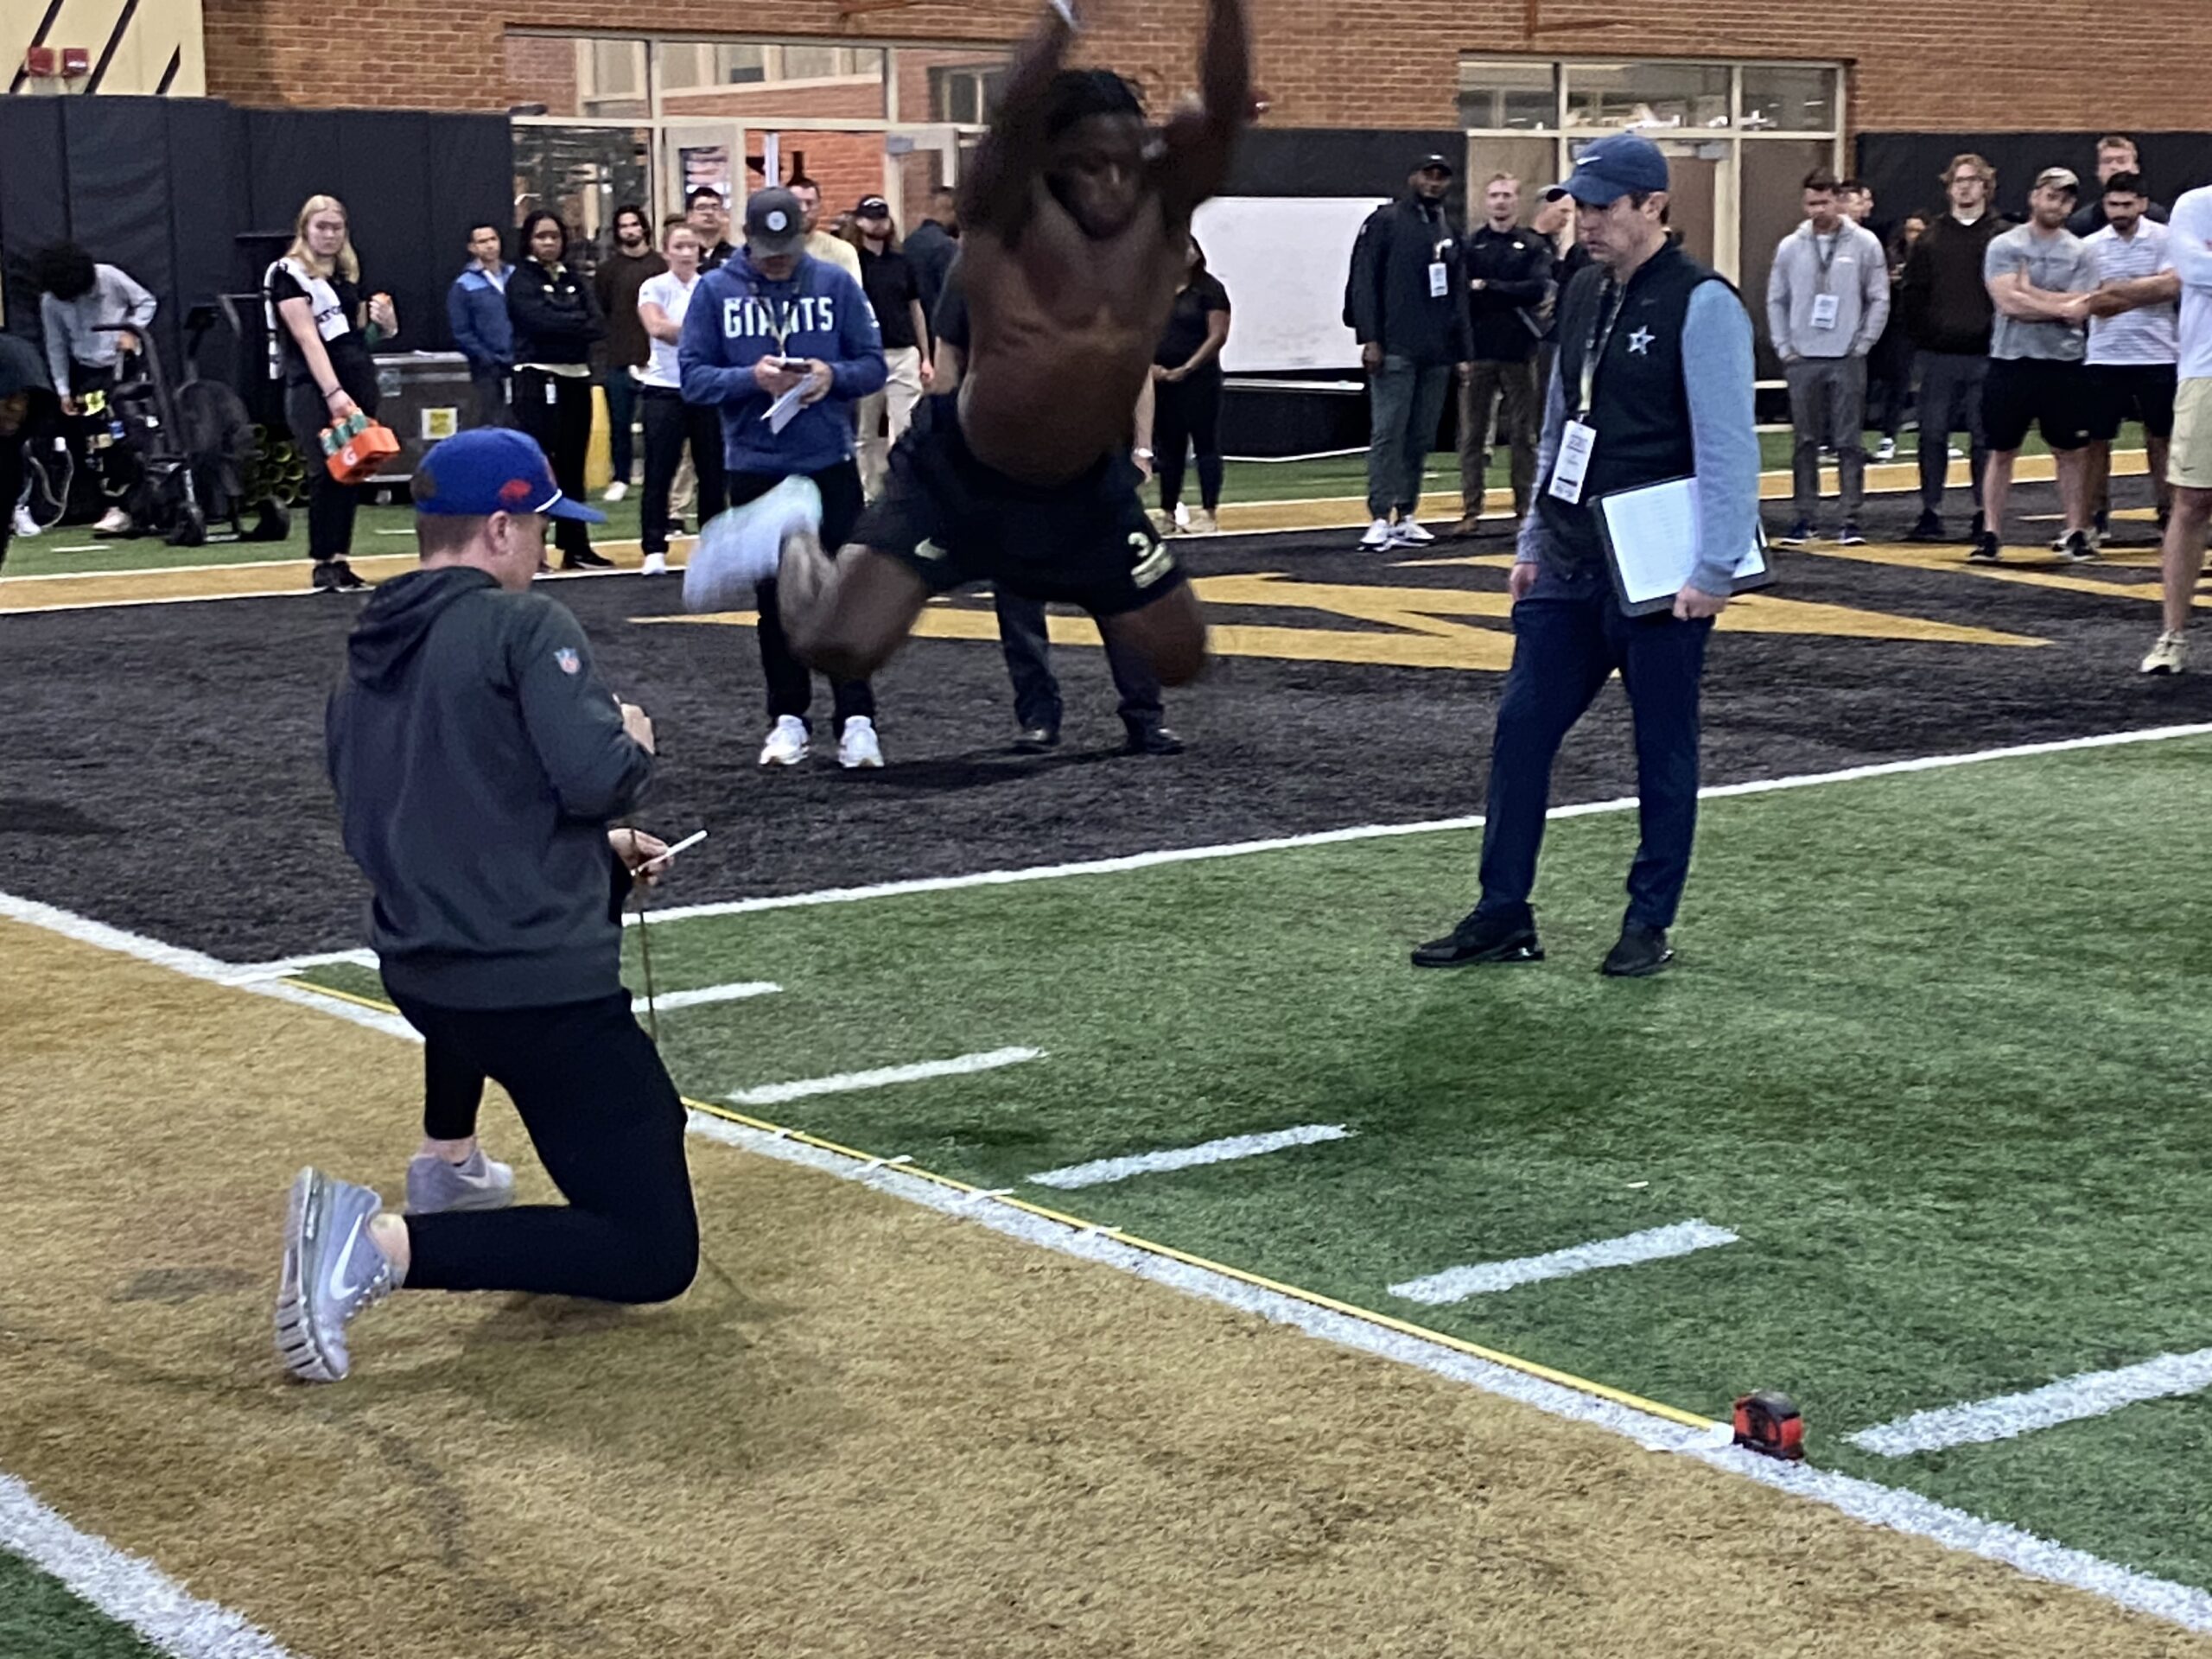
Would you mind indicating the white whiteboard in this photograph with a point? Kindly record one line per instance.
(1284, 260)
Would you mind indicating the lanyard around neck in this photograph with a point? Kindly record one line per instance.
(1610, 305)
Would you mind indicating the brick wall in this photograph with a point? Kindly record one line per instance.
(2015, 64)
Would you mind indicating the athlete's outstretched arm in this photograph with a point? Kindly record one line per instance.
(1200, 144)
(995, 193)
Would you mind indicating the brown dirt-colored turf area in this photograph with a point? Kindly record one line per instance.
(869, 1429)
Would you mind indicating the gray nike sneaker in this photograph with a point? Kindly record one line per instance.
(332, 1270)
(434, 1185)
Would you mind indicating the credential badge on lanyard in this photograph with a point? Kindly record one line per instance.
(1578, 439)
(1826, 306)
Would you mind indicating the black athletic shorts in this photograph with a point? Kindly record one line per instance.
(953, 520)
(2025, 391)
(2120, 392)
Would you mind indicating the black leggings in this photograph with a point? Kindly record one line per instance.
(669, 424)
(1186, 415)
(562, 428)
(331, 505)
(608, 1127)
(791, 683)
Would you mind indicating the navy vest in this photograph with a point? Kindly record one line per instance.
(1639, 406)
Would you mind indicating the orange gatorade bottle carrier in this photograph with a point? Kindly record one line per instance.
(355, 447)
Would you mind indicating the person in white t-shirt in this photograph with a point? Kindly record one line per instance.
(2186, 278)
(671, 423)
(2132, 357)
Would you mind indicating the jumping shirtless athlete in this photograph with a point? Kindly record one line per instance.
(1075, 223)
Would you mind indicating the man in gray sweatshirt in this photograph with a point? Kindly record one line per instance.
(1827, 301)
(478, 760)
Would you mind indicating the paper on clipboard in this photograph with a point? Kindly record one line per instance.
(1651, 540)
(781, 412)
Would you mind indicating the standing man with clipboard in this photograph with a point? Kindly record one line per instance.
(1653, 385)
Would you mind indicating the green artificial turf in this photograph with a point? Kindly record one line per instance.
(40, 1619)
(1935, 1048)
(390, 529)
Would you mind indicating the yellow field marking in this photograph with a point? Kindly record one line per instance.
(1412, 629)
(1925, 558)
(1496, 1356)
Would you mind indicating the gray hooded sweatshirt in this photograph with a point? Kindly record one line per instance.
(477, 758)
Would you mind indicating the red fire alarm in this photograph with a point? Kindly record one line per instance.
(41, 63)
(76, 60)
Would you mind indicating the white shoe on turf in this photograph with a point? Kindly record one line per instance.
(2169, 656)
(655, 564)
(741, 549)
(1886, 450)
(25, 524)
(1378, 536)
(436, 1184)
(1409, 533)
(1205, 524)
(332, 1270)
(616, 491)
(114, 522)
(857, 745)
(786, 745)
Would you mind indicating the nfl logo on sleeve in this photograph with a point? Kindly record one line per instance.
(570, 662)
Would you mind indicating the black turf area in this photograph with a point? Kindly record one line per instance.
(160, 767)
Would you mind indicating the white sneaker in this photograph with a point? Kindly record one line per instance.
(858, 746)
(616, 491)
(1409, 533)
(436, 1187)
(742, 548)
(1205, 524)
(1886, 450)
(656, 565)
(1957, 454)
(114, 522)
(786, 745)
(25, 524)
(2169, 656)
(332, 1270)
(1379, 535)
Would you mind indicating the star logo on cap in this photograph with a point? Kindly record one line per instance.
(1639, 343)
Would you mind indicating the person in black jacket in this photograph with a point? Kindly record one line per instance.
(1508, 278)
(1949, 314)
(1405, 304)
(933, 245)
(557, 319)
(479, 761)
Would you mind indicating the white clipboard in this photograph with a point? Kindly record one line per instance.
(1651, 534)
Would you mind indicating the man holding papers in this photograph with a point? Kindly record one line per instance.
(784, 344)
(1653, 385)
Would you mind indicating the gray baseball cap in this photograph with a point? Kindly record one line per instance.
(775, 226)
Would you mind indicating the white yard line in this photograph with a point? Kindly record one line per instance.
(2093, 1394)
(1380, 831)
(1100, 1171)
(1864, 1500)
(707, 993)
(1481, 1277)
(775, 1094)
(128, 1589)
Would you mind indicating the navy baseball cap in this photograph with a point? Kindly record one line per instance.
(1610, 168)
(492, 469)
(873, 207)
(774, 224)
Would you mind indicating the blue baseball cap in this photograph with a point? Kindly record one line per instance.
(492, 469)
(1610, 168)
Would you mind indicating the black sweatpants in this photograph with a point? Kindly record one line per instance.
(331, 505)
(1186, 415)
(562, 428)
(1027, 646)
(608, 1127)
(11, 485)
(791, 683)
(669, 424)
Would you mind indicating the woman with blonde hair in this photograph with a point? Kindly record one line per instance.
(321, 331)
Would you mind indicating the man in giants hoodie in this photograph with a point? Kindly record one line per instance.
(478, 760)
(785, 344)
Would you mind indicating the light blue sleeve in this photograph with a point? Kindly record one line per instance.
(1532, 523)
(1717, 378)
(2189, 239)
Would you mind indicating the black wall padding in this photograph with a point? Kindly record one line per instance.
(1905, 168)
(1328, 161)
(174, 190)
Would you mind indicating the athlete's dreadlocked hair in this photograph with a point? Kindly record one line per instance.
(1077, 94)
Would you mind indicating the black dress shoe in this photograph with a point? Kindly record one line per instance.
(1035, 740)
(1928, 528)
(1508, 936)
(1152, 740)
(586, 559)
(1640, 951)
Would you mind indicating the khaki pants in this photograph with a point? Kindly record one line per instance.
(1507, 390)
(885, 415)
